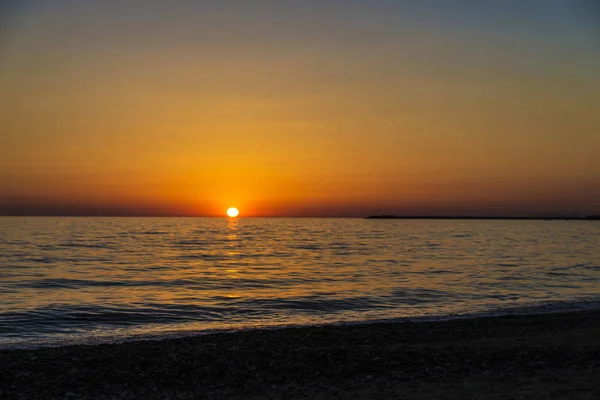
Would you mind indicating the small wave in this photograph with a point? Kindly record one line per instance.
(202, 256)
(64, 283)
(408, 296)
(553, 273)
(316, 303)
(307, 247)
(43, 260)
(74, 319)
(339, 245)
(544, 307)
(86, 245)
(592, 267)
(191, 243)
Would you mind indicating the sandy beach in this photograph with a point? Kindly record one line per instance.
(553, 356)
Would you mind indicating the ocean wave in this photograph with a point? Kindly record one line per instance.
(14, 338)
(202, 283)
(97, 245)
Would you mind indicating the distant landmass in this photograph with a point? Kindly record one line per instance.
(390, 216)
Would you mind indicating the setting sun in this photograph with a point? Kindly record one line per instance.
(232, 212)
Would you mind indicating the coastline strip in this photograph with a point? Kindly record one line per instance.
(537, 356)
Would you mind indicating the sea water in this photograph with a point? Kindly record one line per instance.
(88, 280)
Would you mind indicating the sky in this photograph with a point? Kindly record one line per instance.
(300, 108)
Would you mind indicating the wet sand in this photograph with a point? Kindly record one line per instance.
(553, 356)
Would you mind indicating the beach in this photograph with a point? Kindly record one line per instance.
(550, 356)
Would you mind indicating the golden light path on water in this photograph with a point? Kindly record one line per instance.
(76, 278)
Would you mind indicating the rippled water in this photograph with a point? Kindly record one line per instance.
(89, 279)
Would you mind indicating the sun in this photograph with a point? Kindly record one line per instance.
(232, 212)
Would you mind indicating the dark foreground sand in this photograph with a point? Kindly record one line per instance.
(554, 356)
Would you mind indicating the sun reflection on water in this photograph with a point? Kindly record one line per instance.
(155, 273)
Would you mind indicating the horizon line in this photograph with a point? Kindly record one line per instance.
(375, 217)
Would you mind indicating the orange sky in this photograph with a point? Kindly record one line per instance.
(299, 109)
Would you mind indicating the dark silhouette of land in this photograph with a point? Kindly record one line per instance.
(391, 216)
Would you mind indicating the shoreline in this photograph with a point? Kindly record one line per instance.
(556, 355)
(521, 311)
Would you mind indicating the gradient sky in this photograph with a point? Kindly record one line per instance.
(300, 108)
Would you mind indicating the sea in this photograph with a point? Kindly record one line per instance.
(102, 280)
